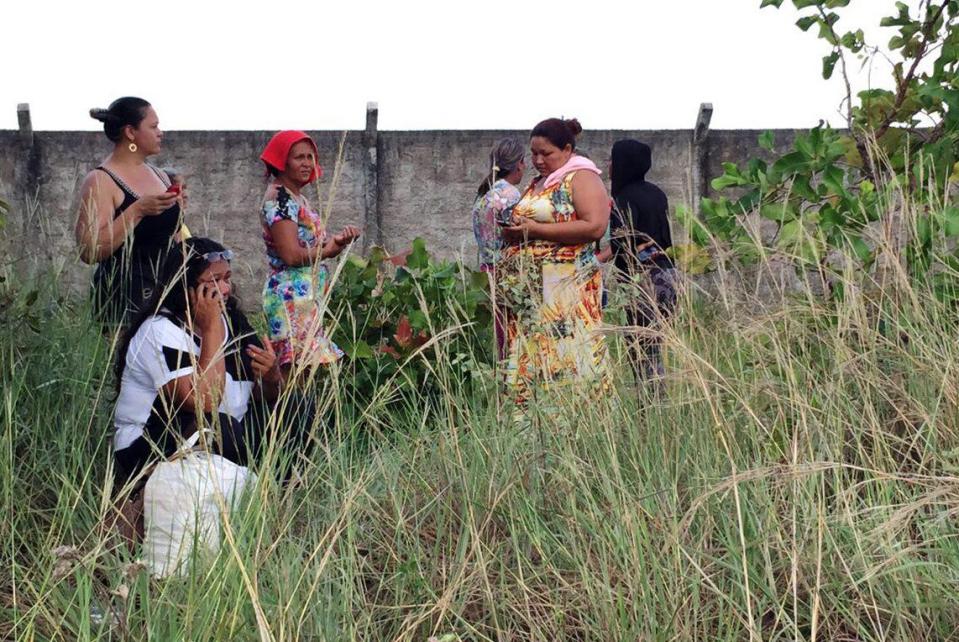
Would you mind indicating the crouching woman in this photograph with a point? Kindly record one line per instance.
(191, 361)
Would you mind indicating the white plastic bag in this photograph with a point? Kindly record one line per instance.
(182, 503)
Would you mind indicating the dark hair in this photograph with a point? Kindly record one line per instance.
(558, 131)
(121, 112)
(506, 154)
(183, 266)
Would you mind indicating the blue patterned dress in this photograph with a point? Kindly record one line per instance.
(502, 196)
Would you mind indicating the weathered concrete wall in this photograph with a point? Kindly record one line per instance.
(424, 184)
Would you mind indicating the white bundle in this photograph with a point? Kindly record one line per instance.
(182, 504)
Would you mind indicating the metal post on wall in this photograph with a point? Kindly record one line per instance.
(373, 233)
(25, 124)
(699, 152)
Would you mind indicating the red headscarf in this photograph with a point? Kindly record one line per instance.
(278, 149)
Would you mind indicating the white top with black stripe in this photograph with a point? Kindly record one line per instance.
(160, 352)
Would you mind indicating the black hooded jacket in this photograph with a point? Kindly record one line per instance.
(640, 212)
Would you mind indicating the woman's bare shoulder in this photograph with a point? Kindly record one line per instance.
(98, 181)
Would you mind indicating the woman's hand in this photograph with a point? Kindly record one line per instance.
(263, 362)
(340, 240)
(346, 235)
(523, 229)
(206, 303)
(153, 204)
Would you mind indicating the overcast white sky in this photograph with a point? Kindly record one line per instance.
(430, 64)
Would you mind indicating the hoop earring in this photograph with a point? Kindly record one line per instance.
(132, 147)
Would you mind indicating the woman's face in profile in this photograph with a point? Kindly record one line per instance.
(147, 134)
(547, 157)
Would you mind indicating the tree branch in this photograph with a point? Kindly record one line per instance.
(927, 35)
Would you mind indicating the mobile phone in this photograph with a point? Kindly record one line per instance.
(504, 217)
(646, 254)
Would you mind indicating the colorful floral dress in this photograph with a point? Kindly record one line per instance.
(502, 196)
(293, 297)
(552, 294)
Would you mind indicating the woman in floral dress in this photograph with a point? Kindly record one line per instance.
(296, 244)
(548, 271)
(495, 198)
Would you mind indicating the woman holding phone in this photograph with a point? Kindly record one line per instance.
(190, 361)
(549, 274)
(128, 215)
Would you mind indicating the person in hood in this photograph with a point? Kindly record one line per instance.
(639, 238)
(296, 245)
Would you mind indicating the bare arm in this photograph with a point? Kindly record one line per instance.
(288, 246)
(202, 389)
(97, 232)
(292, 253)
(592, 209)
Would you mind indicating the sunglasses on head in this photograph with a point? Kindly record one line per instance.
(213, 257)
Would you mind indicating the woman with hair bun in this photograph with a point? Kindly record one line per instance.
(548, 272)
(128, 214)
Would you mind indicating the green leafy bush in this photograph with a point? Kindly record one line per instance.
(404, 324)
(896, 156)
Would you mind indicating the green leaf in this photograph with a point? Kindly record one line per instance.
(771, 3)
(419, 258)
(860, 249)
(361, 350)
(802, 187)
(779, 212)
(951, 222)
(833, 178)
(418, 320)
(791, 163)
(829, 64)
(806, 22)
(789, 234)
(924, 230)
(698, 232)
(767, 140)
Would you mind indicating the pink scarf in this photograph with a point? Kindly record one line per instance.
(574, 164)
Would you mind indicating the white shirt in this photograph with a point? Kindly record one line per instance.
(160, 352)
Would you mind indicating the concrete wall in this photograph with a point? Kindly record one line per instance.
(422, 184)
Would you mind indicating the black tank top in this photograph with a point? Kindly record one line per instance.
(152, 234)
(125, 280)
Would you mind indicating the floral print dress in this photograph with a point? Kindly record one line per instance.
(552, 294)
(502, 196)
(294, 297)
